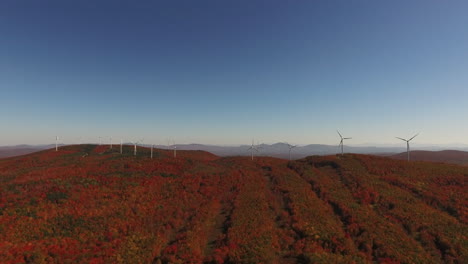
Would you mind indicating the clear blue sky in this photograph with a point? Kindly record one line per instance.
(222, 72)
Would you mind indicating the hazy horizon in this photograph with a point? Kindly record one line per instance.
(222, 73)
(414, 146)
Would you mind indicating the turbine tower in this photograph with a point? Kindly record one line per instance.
(110, 143)
(341, 142)
(174, 147)
(290, 148)
(407, 144)
(252, 149)
(56, 143)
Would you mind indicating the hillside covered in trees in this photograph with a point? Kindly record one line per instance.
(91, 204)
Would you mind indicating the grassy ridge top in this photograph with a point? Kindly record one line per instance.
(89, 203)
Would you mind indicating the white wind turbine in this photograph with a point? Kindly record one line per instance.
(407, 144)
(252, 149)
(135, 146)
(56, 143)
(290, 148)
(174, 146)
(341, 142)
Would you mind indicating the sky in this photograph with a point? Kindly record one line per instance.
(225, 72)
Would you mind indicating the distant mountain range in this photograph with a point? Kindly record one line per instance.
(279, 150)
(446, 156)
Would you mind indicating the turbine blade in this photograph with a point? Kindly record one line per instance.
(413, 137)
(339, 134)
(401, 138)
(347, 138)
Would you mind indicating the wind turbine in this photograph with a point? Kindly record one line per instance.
(135, 146)
(56, 143)
(169, 141)
(407, 143)
(175, 149)
(252, 149)
(341, 142)
(290, 148)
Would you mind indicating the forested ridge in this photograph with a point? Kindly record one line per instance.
(91, 204)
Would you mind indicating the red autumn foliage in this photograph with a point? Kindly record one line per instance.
(91, 204)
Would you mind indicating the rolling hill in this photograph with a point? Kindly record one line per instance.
(446, 156)
(90, 204)
(11, 151)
